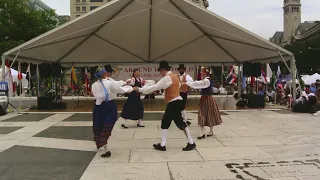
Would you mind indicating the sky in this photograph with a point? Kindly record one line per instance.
(262, 17)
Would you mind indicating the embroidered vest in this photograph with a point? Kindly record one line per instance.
(208, 91)
(183, 88)
(173, 91)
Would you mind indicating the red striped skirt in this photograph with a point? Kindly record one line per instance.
(208, 114)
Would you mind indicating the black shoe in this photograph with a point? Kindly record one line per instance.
(189, 147)
(138, 125)
(107, 154)
(159, 147)
(202, 137)
(209, 135)
(124, 126)
(188, 123)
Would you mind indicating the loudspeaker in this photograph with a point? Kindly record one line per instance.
(256, 69)
(56, 70)
(256, 101)
(44, 70)
(247, 69)
(44, 103)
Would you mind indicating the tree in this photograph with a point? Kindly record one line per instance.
(20, 22)
(307, 60)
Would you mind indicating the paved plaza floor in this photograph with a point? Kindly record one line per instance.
(248, 145)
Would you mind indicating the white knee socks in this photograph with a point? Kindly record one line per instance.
(139, 121)
(188, 134)
(164, 137)
(211, 130)
(105, 148)
(202, 130)
(184, 115)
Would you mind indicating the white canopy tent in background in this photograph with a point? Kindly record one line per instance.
(148, 31)
(308, 80)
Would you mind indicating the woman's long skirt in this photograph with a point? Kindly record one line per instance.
(208, 114)
(133, 108)
(104, 118)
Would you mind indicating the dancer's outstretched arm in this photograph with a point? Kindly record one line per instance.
(199, 84)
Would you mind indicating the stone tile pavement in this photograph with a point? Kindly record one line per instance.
(248, 145)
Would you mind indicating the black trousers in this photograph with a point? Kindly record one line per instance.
(173, 112)
(184, 98)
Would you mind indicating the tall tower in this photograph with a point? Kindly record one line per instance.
(291, 18)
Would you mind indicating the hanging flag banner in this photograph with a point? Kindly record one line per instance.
(147, 71)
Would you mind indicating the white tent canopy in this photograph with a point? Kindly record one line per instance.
(140, 31)
(308, 80)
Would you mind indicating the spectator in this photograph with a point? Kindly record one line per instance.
(313, 88)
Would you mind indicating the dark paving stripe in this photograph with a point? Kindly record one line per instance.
(80, 117)
(76, 133)
(28, 118)
(35, 163)
(7, 130)
(88, 117)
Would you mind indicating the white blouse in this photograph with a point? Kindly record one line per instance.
(112, 87)
(199, 84)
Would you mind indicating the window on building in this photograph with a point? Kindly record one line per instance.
(84, 8)
(77, 1)
(77, 15)
(78, 8)
(84, 1)
(96, 0)
(93, 7)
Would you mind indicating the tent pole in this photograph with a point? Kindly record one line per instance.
(294, 74)
(239, 80)
(284, 61)
(3, 65)
(12, 63)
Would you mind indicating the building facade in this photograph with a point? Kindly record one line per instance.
(80, 7)
(39, 5)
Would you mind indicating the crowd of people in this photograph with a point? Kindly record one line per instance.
(175, 87)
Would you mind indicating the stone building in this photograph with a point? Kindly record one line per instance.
(293, 28)
(80, 7)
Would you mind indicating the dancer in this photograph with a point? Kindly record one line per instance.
(170, 83)
(184, 89)
(105, 109)
(208, 114)
(133, 108)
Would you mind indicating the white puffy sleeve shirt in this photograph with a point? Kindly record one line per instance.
(112, 87)
(199, 84)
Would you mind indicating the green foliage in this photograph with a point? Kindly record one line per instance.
(20, 22)
(307, 60)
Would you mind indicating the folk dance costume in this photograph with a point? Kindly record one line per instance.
(208, 114)
(133, 108)
(170, 84)
(105, 109)
(184, 89)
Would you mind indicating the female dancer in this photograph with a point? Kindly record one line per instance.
(133, 108)
(105, 109)
(208, 114)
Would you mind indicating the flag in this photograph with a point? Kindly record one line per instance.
(28, 72)
(73, 79)
(19, 72)
(9, 79)
(231, 78)
(264, 78)
(269, 71)
(277, 78)
(244, 82)
(86, 79)
(253, 80)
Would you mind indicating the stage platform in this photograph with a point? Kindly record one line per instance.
(85, 104)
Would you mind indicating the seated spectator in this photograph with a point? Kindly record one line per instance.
(313, 88)
(215, 90)
(222, 90)
(271, 94)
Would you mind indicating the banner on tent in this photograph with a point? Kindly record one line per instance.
(147, 71)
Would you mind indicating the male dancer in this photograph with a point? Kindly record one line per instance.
(184, 89)
(170, 83)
